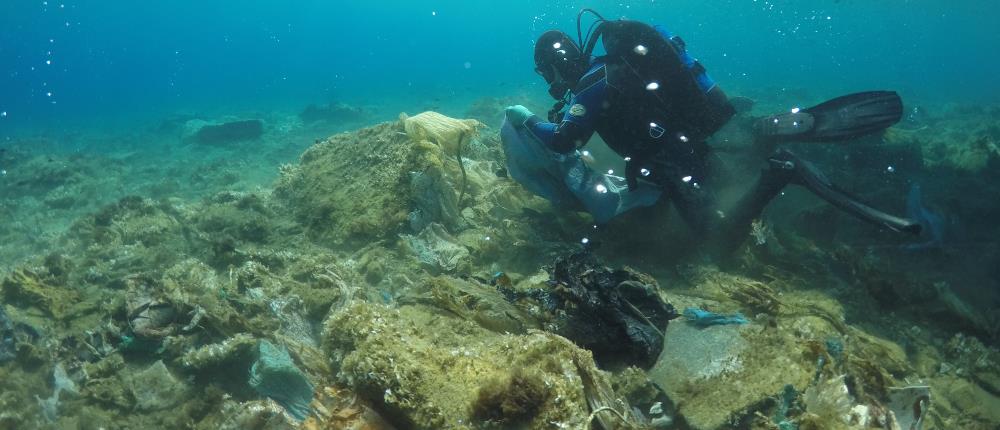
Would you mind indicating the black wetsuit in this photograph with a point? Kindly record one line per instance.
(660, 130)
(653, 152)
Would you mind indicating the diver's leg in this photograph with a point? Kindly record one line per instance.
(785, 168)
(808, 176)
(735, 228)
(686, 180)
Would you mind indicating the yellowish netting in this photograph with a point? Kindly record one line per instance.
(442, 130)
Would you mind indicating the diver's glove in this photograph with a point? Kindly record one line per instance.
(517, 115)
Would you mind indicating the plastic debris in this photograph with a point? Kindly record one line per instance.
(275, 376)
(909, 405)
(290, 310)
(445, 131)
(155, 388)
(61, 381)
(436, 248)
(434, 200)
(703, 318)
(785, 401)
(616, 314)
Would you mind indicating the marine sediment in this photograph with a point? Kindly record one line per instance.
(400, 282)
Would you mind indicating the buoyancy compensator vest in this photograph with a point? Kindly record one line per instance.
(664, 96)
(661, 67)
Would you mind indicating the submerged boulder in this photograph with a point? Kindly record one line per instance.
(374, 183)
(229, 132)
(333, 113)
(425, 370)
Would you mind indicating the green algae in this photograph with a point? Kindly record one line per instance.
(331, 236)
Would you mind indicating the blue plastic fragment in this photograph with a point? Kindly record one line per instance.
(835, 347)
(703, 318)
(785, 400)
(274, 375)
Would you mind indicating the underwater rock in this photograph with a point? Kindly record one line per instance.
(25, 288)
(970, 357)
(437, 249)
(718, 374)
(372, 184)
(229, 132)
(696, 353)
(253, 415)
(473, 301)
(333, 113)
(510, 400)
(155, 388)
(352, 186)
(274, 375)
(423, 370)
(339, 409)
(230, 350)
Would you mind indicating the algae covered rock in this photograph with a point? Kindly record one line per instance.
(250, 415)
(372, 183)
(25, 288)
(428, 371)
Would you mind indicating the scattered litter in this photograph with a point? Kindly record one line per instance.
(703, 318)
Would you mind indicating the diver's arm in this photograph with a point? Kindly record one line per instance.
(576, 127)
(564, 137)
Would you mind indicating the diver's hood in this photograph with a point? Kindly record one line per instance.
(559, 61)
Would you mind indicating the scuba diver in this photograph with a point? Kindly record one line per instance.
(655, 106)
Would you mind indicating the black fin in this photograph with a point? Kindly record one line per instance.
(842, 118)
(855, 115)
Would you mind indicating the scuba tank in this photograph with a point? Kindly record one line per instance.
(663, 98)
(654, 66)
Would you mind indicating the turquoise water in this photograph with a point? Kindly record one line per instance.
(394, 265)
(84, 62)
